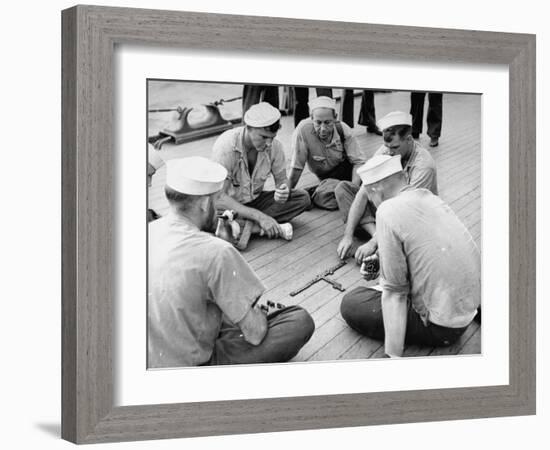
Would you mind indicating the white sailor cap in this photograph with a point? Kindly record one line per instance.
(261, 115)
(322, 102)
(379, 167)
(394, 118)
(195, 175)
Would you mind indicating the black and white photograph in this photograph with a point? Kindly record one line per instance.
(290, 224)
(275, 225)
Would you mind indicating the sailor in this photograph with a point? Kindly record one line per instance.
(329, 149)
(430, 268)
(353, 201)
(251, 154)
(201, 290)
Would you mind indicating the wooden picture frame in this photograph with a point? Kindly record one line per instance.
(90, 34)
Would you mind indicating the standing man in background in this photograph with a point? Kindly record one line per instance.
(435, 115)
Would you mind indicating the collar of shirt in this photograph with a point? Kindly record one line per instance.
(238, 146)
(182, 221)
(412, 157)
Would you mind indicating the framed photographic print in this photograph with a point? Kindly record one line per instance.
(143, 89)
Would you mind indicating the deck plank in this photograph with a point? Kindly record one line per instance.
(456, 348)
(337, 346)
(322, 335)
(364, 348)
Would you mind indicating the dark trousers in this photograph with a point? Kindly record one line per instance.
(324, 195)
(296, 204)
(256, 93)
(435, 113)
(346, 108)
(367, 113)
(343, 171)
(289, 329)
(362, 310)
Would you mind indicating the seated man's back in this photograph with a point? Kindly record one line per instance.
(194, 278)
(425, 249)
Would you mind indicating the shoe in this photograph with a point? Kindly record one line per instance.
(434, 142)
(415, 135)
(287, 230)
(374, 130)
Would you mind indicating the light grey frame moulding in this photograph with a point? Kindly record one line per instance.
(90, 34)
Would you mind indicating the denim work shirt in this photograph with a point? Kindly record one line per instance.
(321, 157)
(229, 151)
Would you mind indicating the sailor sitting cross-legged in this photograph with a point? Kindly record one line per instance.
(250, 154)
(430, 266)
(201, 290)
(329, 149)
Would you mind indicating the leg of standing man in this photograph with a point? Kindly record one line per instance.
(435, 117)
(346, 107)
(417, 112)
(301, 109)
(367, 114)
(255, 93)
(324, 92)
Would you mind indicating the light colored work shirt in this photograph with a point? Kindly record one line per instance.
(244, 187)
(420, 169)
(427, 254)
(194, 279)
(321, 157)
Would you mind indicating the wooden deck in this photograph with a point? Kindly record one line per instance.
(285, 266)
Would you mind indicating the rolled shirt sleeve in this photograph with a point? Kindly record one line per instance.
(355, 155)
(222, 153)
(423, 176)
(278, 163)
(298, 149)
(232, 283)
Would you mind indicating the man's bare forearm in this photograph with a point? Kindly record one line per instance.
(356, 211)
(355, 178)
(394, 312)
(294, 177)
(254, 326)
